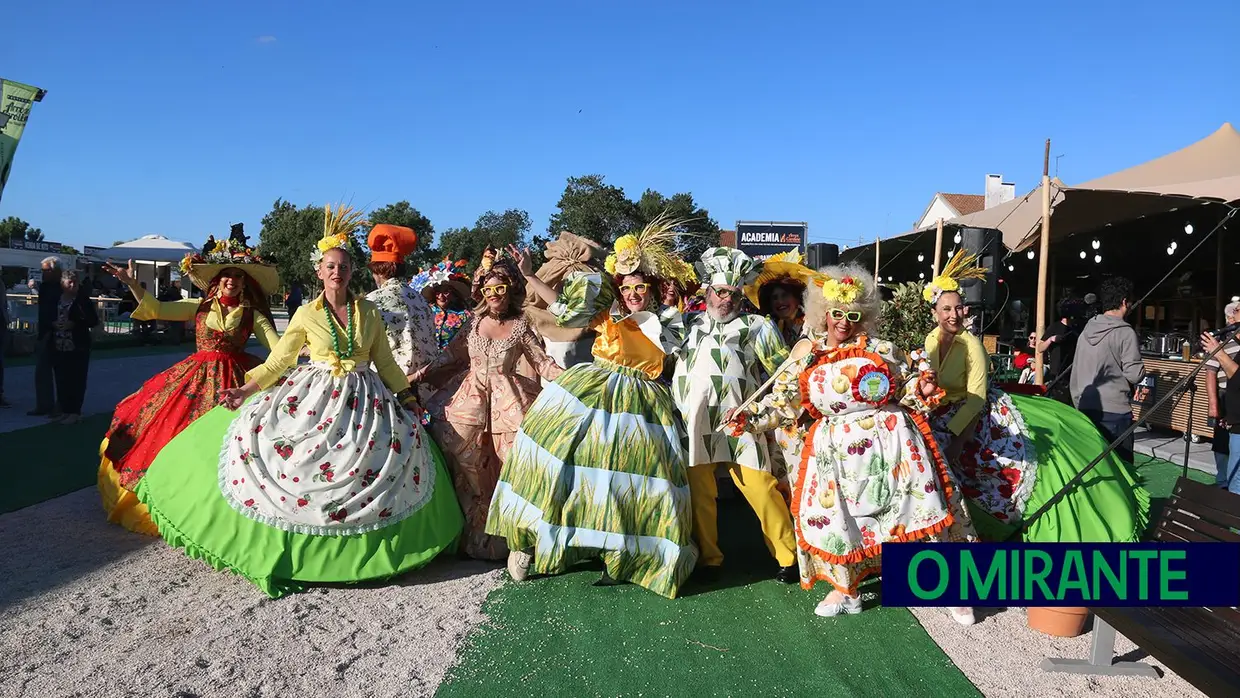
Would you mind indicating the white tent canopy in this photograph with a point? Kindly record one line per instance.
(149, 248)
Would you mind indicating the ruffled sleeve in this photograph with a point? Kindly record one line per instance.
(531, 344)
(584, 297)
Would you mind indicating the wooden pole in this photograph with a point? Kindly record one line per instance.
(938, 249)
(1220, 301)
(877, 258)
(1044, 246)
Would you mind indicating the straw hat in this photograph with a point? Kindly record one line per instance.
(784, 267)
(202, 268)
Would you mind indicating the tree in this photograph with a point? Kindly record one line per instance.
(16, 228)
(289, 235)
(403, 214)
(498, 230)
(906, 320)
(594, 209)
(699, 233)
(66, 249)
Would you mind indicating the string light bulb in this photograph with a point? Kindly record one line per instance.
(1096, 244)
(1083, 254)
(1188, 228)
(1170, 251)
(957, 238)
(921, 258)
(1097, 259)
(1029, 254)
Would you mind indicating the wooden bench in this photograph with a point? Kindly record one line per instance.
(1201, 645)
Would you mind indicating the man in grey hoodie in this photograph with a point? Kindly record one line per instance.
(1108, 363)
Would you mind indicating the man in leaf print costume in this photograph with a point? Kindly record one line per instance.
(724, 352)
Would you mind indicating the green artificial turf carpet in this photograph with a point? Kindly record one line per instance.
(746, 635)
(56, 459)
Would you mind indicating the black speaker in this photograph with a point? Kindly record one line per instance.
(822, 254)
(987, 245)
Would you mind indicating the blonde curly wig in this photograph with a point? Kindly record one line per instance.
(868, 304)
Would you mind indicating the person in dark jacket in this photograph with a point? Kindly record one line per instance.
(44, 381)
(76, 316)
(1107, 364)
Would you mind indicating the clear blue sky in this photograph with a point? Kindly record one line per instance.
(179, 117)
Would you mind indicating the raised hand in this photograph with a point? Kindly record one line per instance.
(522, 257)
(124, 274)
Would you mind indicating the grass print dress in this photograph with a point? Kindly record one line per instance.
(321, 477)
(147, 420)
(598, 467)
(1024, 450)
(868, 471)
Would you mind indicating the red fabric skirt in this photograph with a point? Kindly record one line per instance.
(166, 404)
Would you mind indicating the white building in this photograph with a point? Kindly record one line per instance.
(948, 206)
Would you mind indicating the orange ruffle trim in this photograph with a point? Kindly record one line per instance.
(860, 554)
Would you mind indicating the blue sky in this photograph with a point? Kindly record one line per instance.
(178, 118)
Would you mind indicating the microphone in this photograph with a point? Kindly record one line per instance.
(1225, 332)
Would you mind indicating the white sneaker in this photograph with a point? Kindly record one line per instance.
(963, 616)
(519, 565)
(850, 605)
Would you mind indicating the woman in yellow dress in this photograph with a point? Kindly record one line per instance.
(1012, 453)
(235, 285)
(324, 473)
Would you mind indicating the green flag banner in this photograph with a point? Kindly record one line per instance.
(16, 100)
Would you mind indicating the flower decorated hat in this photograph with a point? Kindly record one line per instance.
(786, 267)
(649, 252)
(727, 266)
(845, 290)
(391, 243)
(962, 266)
(447, 272)
(201, 268)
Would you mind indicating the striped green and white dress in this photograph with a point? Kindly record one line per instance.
(598, 468)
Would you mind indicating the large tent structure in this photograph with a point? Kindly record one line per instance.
(149, 253)
(1206, 171)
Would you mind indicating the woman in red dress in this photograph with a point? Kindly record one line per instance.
(236, 285)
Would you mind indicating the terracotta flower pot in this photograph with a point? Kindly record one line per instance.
(1059, 622)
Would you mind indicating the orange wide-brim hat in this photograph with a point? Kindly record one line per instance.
(391, 243)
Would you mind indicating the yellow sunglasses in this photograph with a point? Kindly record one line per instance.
(635, 288)
(496, 290)
(851, 315)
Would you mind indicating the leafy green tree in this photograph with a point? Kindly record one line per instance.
(906, 319)
(594, 209)
(15, 228)
(497, 230)
(403, 214)
(67, 249)
(288, 236)
(699, 233)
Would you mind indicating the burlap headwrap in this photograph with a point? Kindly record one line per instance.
(565, 255)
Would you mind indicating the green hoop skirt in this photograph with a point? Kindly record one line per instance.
(182, 492)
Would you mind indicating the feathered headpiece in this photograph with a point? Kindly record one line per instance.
(785, 266)
(338, 226)
(961, 266)
(649, 251)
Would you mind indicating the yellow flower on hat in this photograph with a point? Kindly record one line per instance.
(332, 242)
(626, 243)
(843, 291)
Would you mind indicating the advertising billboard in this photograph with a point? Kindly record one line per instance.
(762, 239)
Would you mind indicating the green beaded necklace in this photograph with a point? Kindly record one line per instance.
(331, 323)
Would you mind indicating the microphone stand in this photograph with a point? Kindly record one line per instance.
(1145, 415)
(1191, 389)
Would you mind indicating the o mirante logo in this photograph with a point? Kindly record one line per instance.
(1061, 574)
